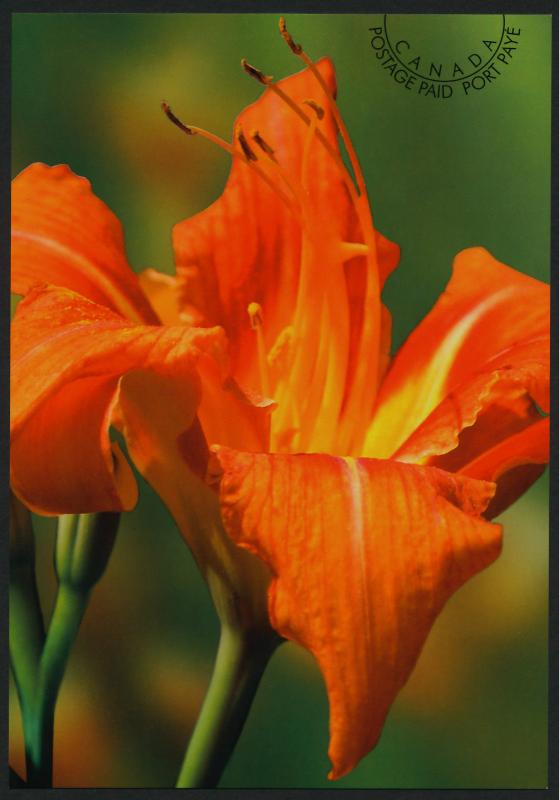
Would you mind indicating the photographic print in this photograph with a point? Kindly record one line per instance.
(279, 400)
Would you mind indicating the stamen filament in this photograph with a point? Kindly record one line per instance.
(324, 429)
(352, 249)
(310, 402)
(255, 315)
(311, 131)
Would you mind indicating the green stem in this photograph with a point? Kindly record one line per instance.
(240, 663)
(38, 719)
(27, 633)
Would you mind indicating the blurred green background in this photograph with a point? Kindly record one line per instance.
(442, 175)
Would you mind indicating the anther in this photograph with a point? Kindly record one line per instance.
(255, 315)
(244, 144)
(318, 110)
(295, 48)
(256, 73)
(176, 121)
(262, 143)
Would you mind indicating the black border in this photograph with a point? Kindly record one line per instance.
(7, 7)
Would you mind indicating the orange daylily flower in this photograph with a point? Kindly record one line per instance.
(366, 488)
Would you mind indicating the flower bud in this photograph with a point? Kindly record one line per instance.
(84, 544)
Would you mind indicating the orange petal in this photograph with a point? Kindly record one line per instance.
(68, 355)
(489, 418)
(62, 460)
(155, 414)
(163, 294)
(494, 404)
(365, 553)
(491, 324)
(513, 463)
(63, 234)
(246, 247)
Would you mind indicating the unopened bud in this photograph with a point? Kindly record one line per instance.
(84, 544)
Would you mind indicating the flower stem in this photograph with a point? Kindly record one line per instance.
(83, 547)
(38, 718)
(26, 629)
(240, 663)
(27, 632)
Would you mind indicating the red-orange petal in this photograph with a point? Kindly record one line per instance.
(488, 333)
(246, 247)
(364, 554)
(68, 356)
(63, 234)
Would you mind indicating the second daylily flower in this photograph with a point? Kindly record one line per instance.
(365, 487)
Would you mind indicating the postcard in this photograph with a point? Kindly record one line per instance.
(279, 400)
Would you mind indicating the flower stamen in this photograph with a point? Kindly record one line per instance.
(311, 132)
(318, 110)
(245, 147)
(176, 121)
(256, 321)
(295, 48)
(262, 144)
(266, 80)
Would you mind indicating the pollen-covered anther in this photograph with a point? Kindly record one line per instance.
(176, 121)
(256, 73)
(295, 48)
(262, 144)
(318, 110)
(245, 147)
